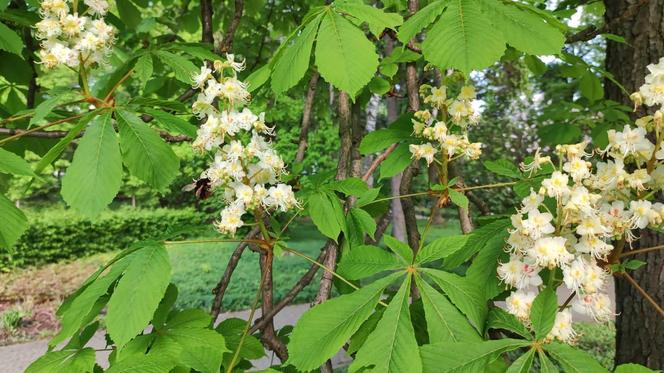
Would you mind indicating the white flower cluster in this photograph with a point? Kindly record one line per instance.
(448, 135)
(581, 214)
(245, 164)
(71, 40)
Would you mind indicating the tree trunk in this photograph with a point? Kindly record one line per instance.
(639, 337)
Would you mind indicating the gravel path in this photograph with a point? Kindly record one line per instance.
(15, 358)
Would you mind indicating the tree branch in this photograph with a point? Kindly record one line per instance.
(292, 293)
(269, 336)
(592, 31)
(227, 41)
(60, 134)
(225, 279)
(306, 117)
(206, 22)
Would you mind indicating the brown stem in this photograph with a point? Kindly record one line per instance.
(640, 251)
(643, 292)
(268, 335)
(306, 117)
(376, 162)
(592, 31)
(227, 41)
(206, 22)
(569, 299)
(343, 164)
(479, 203)
(32, 84)
(225, 279)
(117, 85)
(60, 134)
(32, 130)
(292, 293)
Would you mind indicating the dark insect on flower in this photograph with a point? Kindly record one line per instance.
(201, 188)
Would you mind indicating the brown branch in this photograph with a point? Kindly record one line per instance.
(640, 251)
(306, 117)
(22, 133)
(206, 22)
(269, 336)
(32, 84)
(479, 203)
(292, 293)
(227, 41)
(376, 162)
(225, 279)
(592, 31)
(643, 292)
(60, 134)
(569, 299)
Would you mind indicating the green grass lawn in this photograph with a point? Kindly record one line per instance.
(198, 267)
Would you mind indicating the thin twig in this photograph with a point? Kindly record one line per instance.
(566, 303)
(227, 41)
(26, 132)
(117, 84)
(225, 279)
(643, 292)
(246, 328)
(376, 162)
(292, 293)
(640, 251)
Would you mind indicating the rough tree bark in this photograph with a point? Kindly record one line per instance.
(639, 328)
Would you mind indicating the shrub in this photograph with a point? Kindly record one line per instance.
(62, 234)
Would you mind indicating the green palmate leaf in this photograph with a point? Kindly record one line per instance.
(327, 214)
(535, 65)
(65, 361)
(543, 312)
(324, 329)
(378, 140)
(463, 38)
(151, 268)
(396, 162)
(573, 360)
(129, 14)
(232, 329)
(546, 365)
(400, 248)
(467, 296)
(477, 240)
(47, 106)
(143, 69)
(257, 78)
(146, 155)
(95, 174)
(376, 18)
(423, 18)
(79, 308)
(14, 222)
(391, 347)
(12, 164)
(444, 321)
(458, 198)
(199, 347)
(344, 56)
(500, 319)
(165, 305)
(364, 222)
(351, 186)
(293, 62)
(503, 167)
(150, 363)
(482, 270)
(366, 260)
(440, 248)
(519, 26)
(10, 41)
(633, 368)
(523, 363)
(171, 123)
(182, 67)
(591, 87)
(464, 356)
